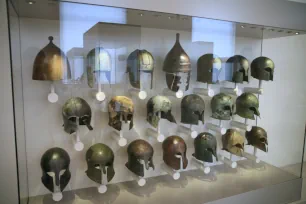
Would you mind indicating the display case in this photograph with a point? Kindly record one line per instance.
(116, 105)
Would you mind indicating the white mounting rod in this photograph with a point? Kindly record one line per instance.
(201, 165)
(142, 95)
(188, 131)
(103, 188)
(241, 126)
(140, 180)
(57, 194)
(78, 145)
(215, 128)
(228, 162)
(100, 96)
(204, 92)
(52, 96)
(153, 133)
(254, 90)
(251, 157)
(233, 91)
(118, 136)
(175, 174)
(178, 94)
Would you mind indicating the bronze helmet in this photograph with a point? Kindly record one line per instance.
(177, 61)
(120, 107)
(222, 106)
(192, 109)
(208, 68)
(55, 161)
(98, 61)
(75, 109)
(137, 62)
(139, 150)
(205, 147)
(100, 160)
(159, 104)
(247, 105)
(237, 69)
(262, 68)
(51, 64)
(233, 142)
(172, 147)
(258, 138)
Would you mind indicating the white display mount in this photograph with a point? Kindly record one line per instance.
(201, 165)
(228, 161)
(118, 137)
(103, 188)
(258, 90)
(141, 181)
(178, 94)
(78, 145)
(216, 128)
(141, 94)
(188, 131)
(174, 173)
(204, 91)
(100, 95)
(155, 134)
(252, 157)
(233, 91)
(57, 195)
(241, 126)
(52, 96)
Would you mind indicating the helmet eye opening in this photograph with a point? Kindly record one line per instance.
(263, 140)
(72, 119)
(238, 146)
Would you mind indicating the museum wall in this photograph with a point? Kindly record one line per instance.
(43, 120)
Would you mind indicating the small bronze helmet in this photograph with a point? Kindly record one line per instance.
(173, 147)
(55, 169)
(137, 62)
(100, 160)
(222, 106)
(233, 142)
(159, 107)
(51, 64)
(237, 69)
(177, 67)
(140, 156)
(98, 62)
(208, 68)
(120, 108)
(192, 109)
(258, 138)
(205, 147)
(247, 105)
(76, 111)
(262, 68)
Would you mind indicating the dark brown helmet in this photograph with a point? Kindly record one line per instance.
(258, 138)
(262, 68)
(175, 146)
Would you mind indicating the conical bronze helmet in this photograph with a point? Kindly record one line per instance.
(51, 64)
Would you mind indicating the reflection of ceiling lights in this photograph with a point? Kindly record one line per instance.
(297, 33)
(141, 14)
(184, 18)
(242, 26)
(31, 2)
(170, 17)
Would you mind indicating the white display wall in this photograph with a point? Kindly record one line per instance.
(43, 121)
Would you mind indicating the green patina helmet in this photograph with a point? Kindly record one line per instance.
(222, 106)
(247, 105)
(192, 109)
(262, 68)
(237, 69)
(205, 147)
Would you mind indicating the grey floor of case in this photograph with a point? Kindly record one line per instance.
(192, 188)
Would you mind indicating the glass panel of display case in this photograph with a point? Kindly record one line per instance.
(124, 105)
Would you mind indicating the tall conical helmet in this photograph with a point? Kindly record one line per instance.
(51, 64)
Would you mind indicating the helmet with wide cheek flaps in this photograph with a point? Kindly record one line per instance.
(208, 68)
(247, 106)
(100, 160)
(233, 142)
(55, 169)
(262, 68)
(140, 156)
(174, 151)
(222, 106)
(76, 111)
(120, 108)
(258, 138)
(237, 69)
(192, 109)
(205, 146)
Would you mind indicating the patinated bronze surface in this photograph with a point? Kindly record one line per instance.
(208, 68)
(159, 105)
(100, 160)
(233, 142)
(139, 61)
(247, 105)
(192, 109)
(175, 146)
(76, 111)
(120, 108)
(262, 68)
(140, 150)
(258, 138)
(222, 106)
(98, 62)
(55, 161)
(237, 69)
(205, 146)
(51, 64)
